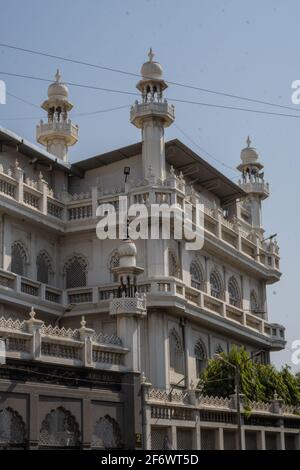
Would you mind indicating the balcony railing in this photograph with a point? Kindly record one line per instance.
(32, 339)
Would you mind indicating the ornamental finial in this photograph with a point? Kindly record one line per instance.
(150, 54)
(57, 76)
(248, 141)
(32, 313)
(83, 322)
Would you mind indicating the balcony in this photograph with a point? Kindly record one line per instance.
(60, 128)
(152, 292)
(160, 109)
(33, 340)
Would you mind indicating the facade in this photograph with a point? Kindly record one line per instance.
(86, 320)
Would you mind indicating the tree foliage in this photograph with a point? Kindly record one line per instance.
(258, 382)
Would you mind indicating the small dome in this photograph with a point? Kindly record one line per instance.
(249, 154)
(127, 248)
(57, 89)
(151, 69)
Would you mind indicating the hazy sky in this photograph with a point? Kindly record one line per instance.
(238, 47)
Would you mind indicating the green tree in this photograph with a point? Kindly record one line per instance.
(258, 382)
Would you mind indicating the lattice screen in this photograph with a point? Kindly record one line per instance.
(42, 266)
(230, 440)
(251, 440)
(271, 440)
(184, 439)
(18, 259)
(106, 434)
(290, 441)
(75, 271)
(158, 436)
(208, 439)
(12, 428)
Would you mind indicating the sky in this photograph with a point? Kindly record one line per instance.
(238, 47)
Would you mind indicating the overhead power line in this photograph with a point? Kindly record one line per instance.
(132, 74)
(175, 100)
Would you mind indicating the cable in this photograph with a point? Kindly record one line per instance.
(124, 72)
(175, 100)
(203, 150)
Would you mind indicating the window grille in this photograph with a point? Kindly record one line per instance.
(271, 440)
(196, 275)
(254, 307)
(174, 269)
(114, 263)
(18, 259)
(184, 439)
(208, 439)
(176, 352)
(230, 440)
(43, 267)
(234, 293)
(215, 285)
(106, 434)
(59, 429)
(290, 441)
(251, 440)
(76, 272)
(158, 438)
(12, 429)
(200, 356)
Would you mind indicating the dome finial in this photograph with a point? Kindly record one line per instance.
(57, 76)
(248, 141)
(150, 54)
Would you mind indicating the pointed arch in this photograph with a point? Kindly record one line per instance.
(106, 434)
(44, 267)
(12, 429)
(196, 273)
(75, 271)
(174, 265)
(19, 258)
(254, 303)
(113, 262)
(59, 429)
(216, 284)
(219, 349)
(234, 292)
(200, 357)
(176, 352)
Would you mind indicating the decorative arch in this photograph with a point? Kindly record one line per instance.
(254, 304)
(75, 271)
(106, 434)
(113, 262)
(19, 258)
(200, 357)
(176, 352)
(44, 267)
(174, 266)
(219, 349)
(234, 292)
(216, 284)
(59, 429)
(196, 273)
(12, 428)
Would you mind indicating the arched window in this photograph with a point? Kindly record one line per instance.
(12, 429)
(174, 269)
(59, 429)
(254, 305)
(18, 258)
(200, 356)
(43, 267)
(106, 434)
(234, 292)
(114, 262)
(215, 285)
(176, 352)
(196, 275)
(76, 272)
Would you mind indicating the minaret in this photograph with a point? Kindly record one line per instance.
(129, 307)
(59, 133)
(152, 115)
(253, 184)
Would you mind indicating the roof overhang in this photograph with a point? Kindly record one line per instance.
(183, 159)
(32, 151)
